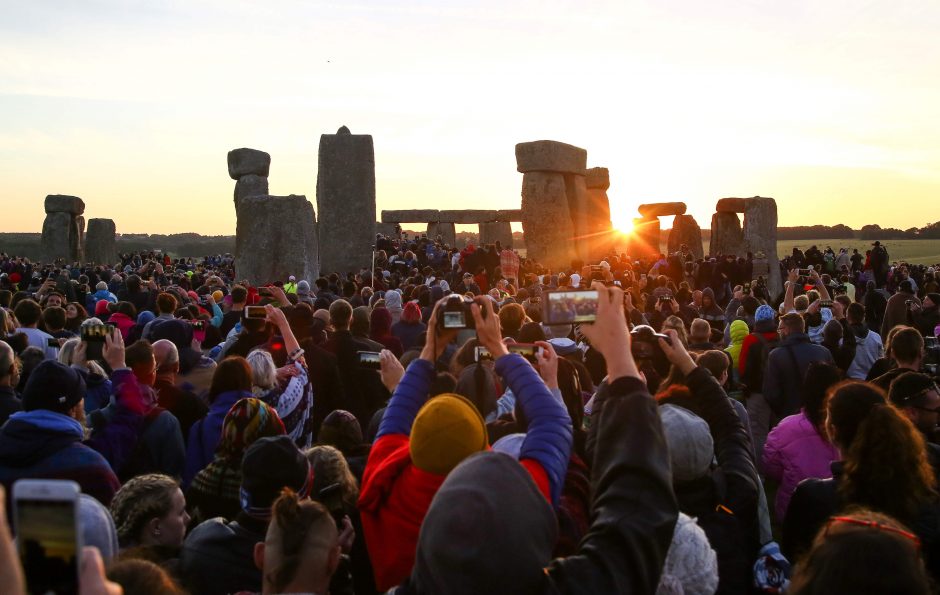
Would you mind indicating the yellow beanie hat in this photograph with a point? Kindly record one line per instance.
(447, 429)
(217, 295)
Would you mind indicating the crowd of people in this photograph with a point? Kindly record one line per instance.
(686, 432)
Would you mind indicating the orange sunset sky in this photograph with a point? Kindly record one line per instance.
(830, 107)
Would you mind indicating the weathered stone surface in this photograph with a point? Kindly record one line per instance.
(62, 203)
(56, 237)
(597, 177)
(346, 202)
(276, 238)
(727, 236)
(468, 216)
(496, 231)
(685, 230)
(760, 236)
(578, 207)
(546, 219)
(661, 209)
(509, 215)
(77, 239)
(100, 242)
(242, 162)
(550, 156)
(446, 230)
(386, 229)
(645, 239)
(411, 216)
(731, 205)
(250, 185)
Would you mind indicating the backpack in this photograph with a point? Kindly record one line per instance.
(139, 462)
(753, 376)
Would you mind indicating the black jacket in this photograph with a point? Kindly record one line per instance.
(724, 502)
(634, 513)
(786, 368)
(364, 392)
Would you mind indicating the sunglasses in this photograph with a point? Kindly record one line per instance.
(874, 525)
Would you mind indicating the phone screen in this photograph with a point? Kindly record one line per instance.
(48, 545)
(570, 307)
(255, 312)
(370, 359)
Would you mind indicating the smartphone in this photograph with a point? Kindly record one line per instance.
(198, 325)
(570, 307)
(370, 359)
(825, 303)
(527, 350)
(47, 534)
(52, 342)
(803, 272)
(93, 337)
(481, 353)
(255, 312)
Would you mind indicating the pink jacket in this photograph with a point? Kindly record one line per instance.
(795, 451)
(123, 322)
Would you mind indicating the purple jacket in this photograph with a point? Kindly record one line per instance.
(795, 451)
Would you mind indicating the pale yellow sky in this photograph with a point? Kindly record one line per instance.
(830, 107)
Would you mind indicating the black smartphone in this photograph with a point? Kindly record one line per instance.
(47, 534)
(52, 342)
(570, 307)
(255, 312)
(93, 337)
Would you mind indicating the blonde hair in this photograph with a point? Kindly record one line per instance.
(329, 467)
(142, 498)
(263, 370)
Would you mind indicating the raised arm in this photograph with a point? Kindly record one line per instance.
(414, 387)
(634, 507)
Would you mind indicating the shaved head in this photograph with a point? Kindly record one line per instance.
(167, 356)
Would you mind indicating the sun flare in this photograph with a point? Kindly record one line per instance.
(624, 225)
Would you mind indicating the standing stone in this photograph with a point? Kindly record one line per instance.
(242, 162)
(727, 236)
(685, 230)
(250, 185)
(601, 238)
(386, 229)
(645, 239)
(276, 238)
(100, 245)
(496, 231)
(447, 231)
(56, 237)
(760, 237)
(546, 219)
(661, 209)
(77, 239)
(554, 201)
(346, 201)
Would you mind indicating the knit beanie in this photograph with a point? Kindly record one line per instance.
(447, 429)
(97, 527)
(691, 566)
(218, 296)
(764, 312)
(691, 448)
(340, 429)
(101, 307)
(53, 386)
(247, 421)
(269, 466)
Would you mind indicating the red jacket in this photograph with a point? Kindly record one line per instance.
(394, 498)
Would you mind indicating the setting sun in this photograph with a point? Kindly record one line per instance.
(623, 224)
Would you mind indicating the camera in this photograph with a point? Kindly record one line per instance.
(454, 313)
(597, 272)
(746, 290)
(644, 345)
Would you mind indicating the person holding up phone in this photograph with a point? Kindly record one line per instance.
(420, 440)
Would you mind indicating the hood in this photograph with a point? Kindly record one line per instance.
(738, 331)
(31, 436)
(488, 530)
(393, 300)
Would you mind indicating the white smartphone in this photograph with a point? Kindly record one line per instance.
(47, 534)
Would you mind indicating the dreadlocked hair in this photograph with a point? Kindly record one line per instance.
(142, 498)
(295, 520)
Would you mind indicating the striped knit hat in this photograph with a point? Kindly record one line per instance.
(247, 421)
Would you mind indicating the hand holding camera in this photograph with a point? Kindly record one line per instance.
(609, 333)
(487, 327)
(675, 352)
